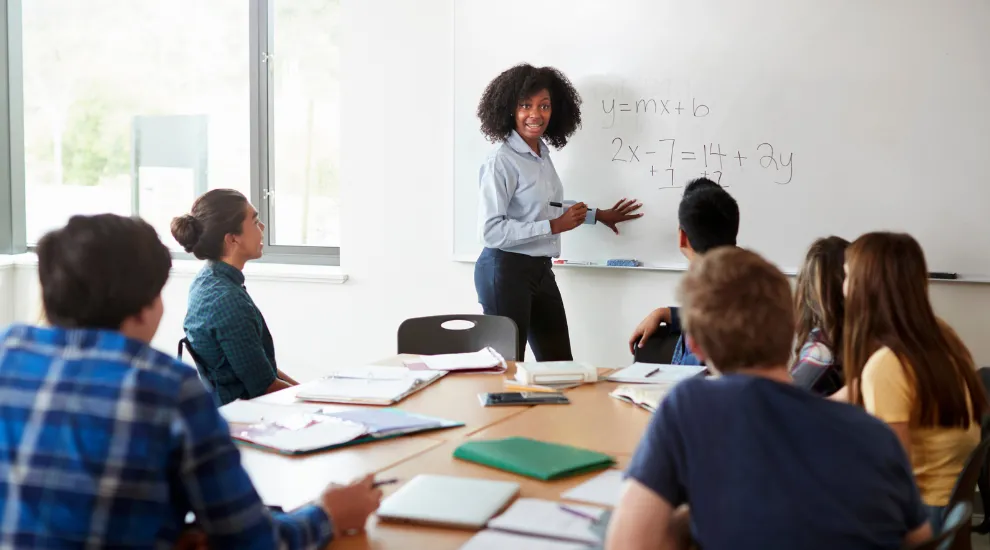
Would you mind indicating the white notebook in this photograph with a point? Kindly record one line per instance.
(648, 373)
(448, 501)
(604, 489)
(367, 385)
(545, 518)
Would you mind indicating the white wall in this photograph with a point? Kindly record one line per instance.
(6, 290)
(396, 229)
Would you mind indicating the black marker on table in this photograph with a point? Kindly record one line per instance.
(941, 275)
(557, 204)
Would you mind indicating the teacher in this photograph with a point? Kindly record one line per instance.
(523, 110)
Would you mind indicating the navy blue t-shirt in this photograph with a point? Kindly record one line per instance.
(766, 465)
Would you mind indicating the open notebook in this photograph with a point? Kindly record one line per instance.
(368, 385)
(299, 428)
(647, 396)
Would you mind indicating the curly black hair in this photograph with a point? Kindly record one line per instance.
(497, 108)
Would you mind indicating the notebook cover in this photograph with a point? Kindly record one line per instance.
(532, 458)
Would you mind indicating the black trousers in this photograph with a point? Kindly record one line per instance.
(523, 289)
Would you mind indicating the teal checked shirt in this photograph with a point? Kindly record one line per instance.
(229, 334)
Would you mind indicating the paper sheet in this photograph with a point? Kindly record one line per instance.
(252, 412)
(603, 489)
(545, 518)
(375, 372)
(647, 373)
(490, 539)
(484, 359)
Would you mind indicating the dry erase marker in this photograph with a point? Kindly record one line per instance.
(380, 482)
(564, 204)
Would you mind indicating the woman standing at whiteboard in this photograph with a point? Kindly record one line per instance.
(522, 110)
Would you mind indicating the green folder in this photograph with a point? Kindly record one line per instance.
(532, 458)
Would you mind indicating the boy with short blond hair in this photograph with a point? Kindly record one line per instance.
(761, 463)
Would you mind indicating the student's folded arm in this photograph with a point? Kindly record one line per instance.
(240, 339)
(497, 230)
(219, 491)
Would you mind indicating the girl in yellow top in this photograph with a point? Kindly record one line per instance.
(906, 366)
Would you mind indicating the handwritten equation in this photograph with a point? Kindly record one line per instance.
(653, 106)
(708, 160)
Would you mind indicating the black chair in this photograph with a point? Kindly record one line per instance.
(965, 489)
(984, 480)
(184, 344)
(957, 520)
(659, 349)
(430, 336)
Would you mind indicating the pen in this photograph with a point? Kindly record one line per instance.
(577, 513)
(557, 204)
(652, 372)
(380, 482)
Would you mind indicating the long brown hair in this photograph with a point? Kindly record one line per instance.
(887, 305)
(818, 301)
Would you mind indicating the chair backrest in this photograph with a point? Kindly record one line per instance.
(438, 334)
(965, 488)
(956, 519)
(184, 344)
(659, 349)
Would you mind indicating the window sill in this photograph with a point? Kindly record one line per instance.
(255, 271)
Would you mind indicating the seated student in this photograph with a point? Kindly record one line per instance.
(108, 443)
(760, 463)
(818, 306)
(223, 326)
(708, 218)
(906, 366)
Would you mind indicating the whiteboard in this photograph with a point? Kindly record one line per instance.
(836, 117)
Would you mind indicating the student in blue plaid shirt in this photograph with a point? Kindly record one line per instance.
(106, 442)
(229, 337)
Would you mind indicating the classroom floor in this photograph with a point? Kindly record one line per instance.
(980, 542)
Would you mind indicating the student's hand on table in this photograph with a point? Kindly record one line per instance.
(192, 538)
(621, 212)
(350, 505)
(573, 217)
(648, 327)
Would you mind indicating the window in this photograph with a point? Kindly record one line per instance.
(304, 208)
(139, 106)
(133, 106)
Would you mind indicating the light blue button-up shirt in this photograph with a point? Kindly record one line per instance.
(517, 186)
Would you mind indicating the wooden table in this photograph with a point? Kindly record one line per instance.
(593, 420)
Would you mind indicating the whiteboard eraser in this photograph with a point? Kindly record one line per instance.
(623, 263)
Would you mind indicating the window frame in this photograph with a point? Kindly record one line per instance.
(13, 207)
